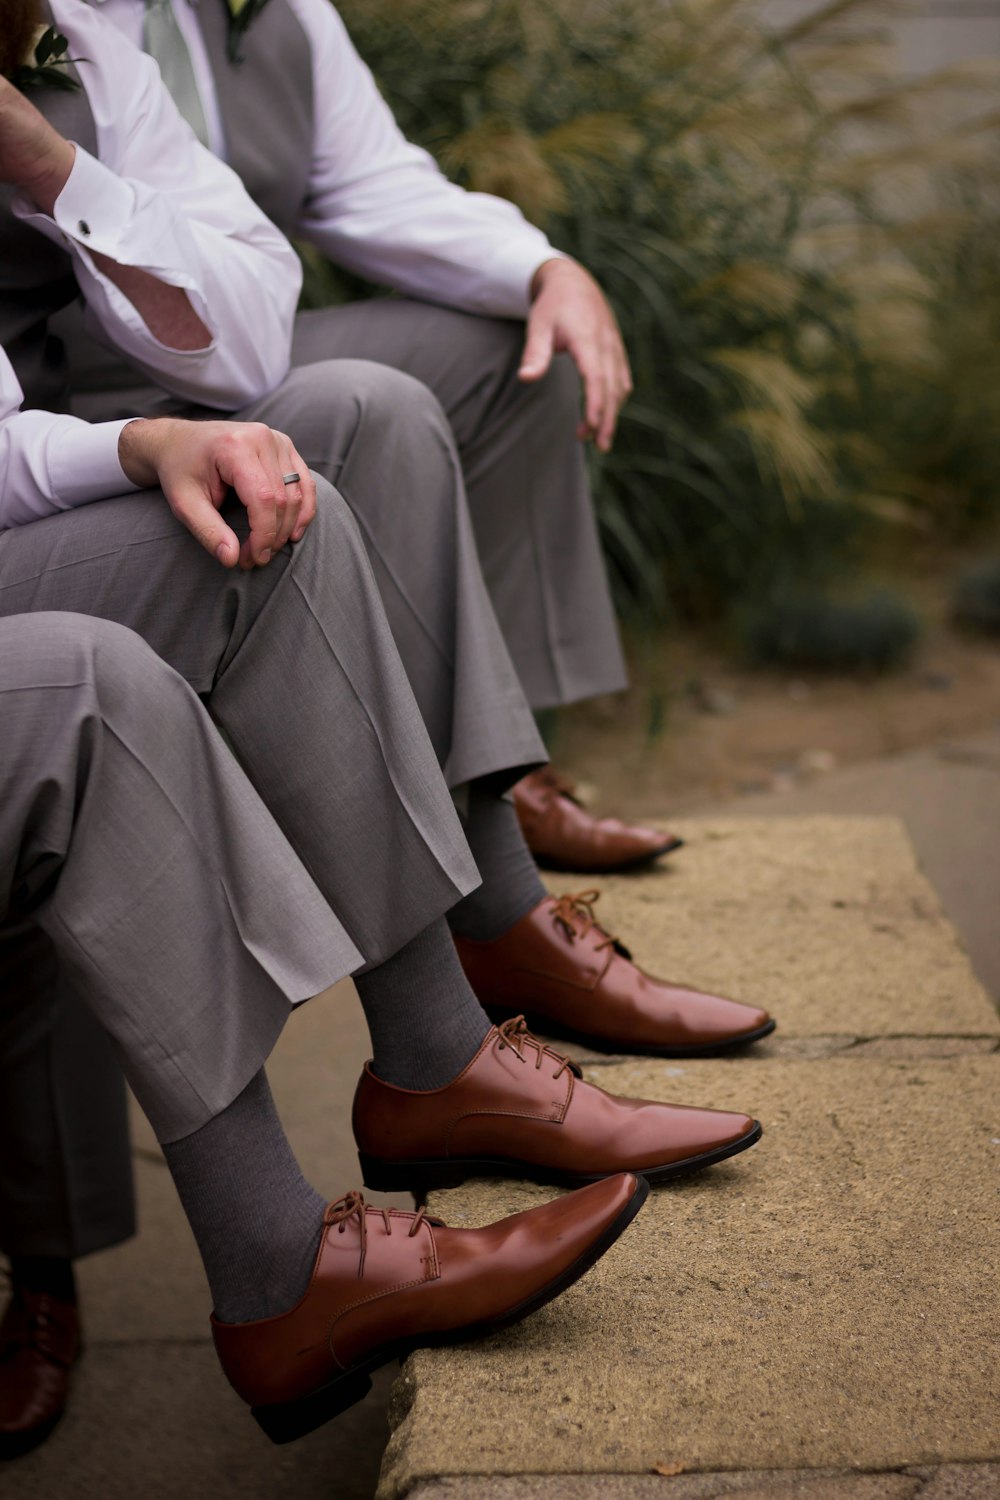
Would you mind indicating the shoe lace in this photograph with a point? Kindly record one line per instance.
(574, 913)
(555, 782)
(515, 1035)
(352, 1205)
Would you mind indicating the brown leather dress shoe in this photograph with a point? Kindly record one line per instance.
(563, 835)
(571, 978)
(387, 1282)
(521, 1110)
(39, 1343)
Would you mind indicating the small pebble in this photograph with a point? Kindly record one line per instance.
(817, 762)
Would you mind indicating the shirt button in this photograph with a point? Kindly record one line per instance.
(83, 227)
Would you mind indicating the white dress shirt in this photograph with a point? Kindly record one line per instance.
(50, 463)
(377, 204)
(158, 200)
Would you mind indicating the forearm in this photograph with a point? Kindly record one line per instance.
(165, 310)
(169, 286)
(168, 250)
(411, 229)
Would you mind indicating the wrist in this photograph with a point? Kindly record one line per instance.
(555, 266)
(140, 445)
(45, 186)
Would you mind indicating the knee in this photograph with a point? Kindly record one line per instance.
(51, 648)
(491, 351)
(559, 392)
(332, 402)
(333, 534)
(314, 392)
(129, 678)
(114, 673)
(390, 398)
(488, 347)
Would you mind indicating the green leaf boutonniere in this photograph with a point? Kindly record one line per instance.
(242, 14)
(49, 65)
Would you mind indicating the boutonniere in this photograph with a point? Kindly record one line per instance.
(242, 14)
(47, 63)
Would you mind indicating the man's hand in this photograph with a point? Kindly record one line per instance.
(33, 155)
(570, 312)
(197, 463)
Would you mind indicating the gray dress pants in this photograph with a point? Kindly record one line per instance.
(525, 477)
(278, 653)
(132, 839)
(382, 437)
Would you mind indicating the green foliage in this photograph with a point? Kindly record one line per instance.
(975, 600)
(938, 424)
(707, 171)
(874, 634)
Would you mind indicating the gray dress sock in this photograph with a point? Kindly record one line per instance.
(511, 887)
(256, 1220)
(424, 1020)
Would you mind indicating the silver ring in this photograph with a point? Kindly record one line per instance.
(291, 478)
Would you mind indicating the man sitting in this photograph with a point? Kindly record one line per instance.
(130, 836)
(130, 559)
(492, 319)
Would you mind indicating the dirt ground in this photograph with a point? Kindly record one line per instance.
(695, 727)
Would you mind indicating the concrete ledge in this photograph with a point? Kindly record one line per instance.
(947, 1482)
(828, 1299)
(826, 921)
(824, 1303)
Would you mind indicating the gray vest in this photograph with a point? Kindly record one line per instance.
(266, 104)
(36, 275)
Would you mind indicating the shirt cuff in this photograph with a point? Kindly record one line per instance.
(88, 467)
(96, 206)
(94, 209)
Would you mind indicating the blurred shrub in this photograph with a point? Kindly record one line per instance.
(732, 190)
(937, 423)
(873, 634)
(976, 597)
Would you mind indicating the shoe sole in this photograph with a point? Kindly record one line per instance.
(639, 863)
(423, 1177)
(17, 1444)
(544, 1026)
(293, 1419)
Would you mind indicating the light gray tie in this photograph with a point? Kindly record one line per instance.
(163, 40)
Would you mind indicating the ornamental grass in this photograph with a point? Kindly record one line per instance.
(792, 238)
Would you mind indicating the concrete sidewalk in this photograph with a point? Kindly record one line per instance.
(948, 797)
(152, 1416)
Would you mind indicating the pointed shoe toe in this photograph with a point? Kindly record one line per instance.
(386, 1282)
(521, 1109)
(563, 835)
(571, 978)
